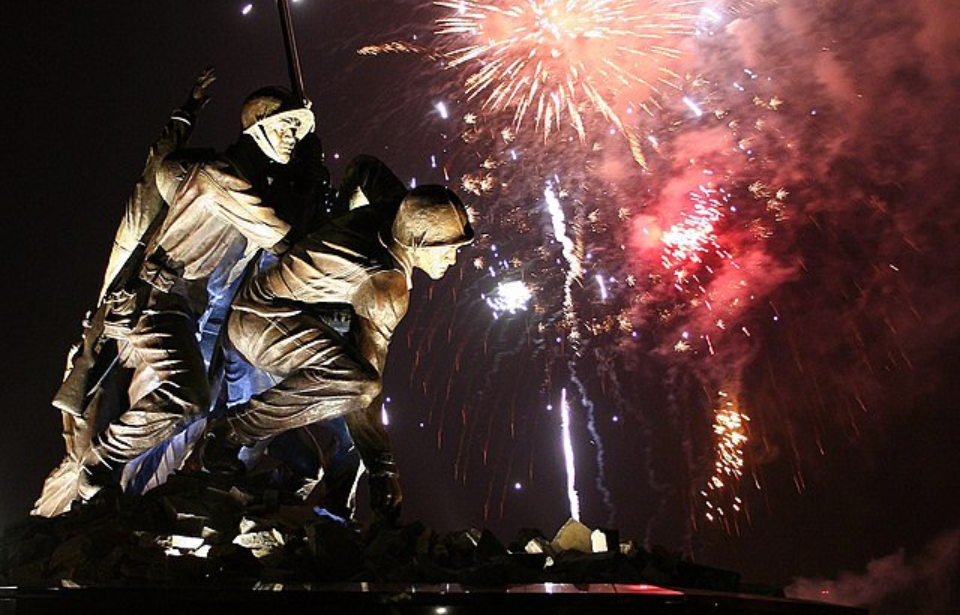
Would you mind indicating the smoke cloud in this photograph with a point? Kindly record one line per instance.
(899, 584)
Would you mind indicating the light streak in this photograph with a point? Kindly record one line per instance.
(603, 288)
(693, 106)
(574, 272)
(246, 9)
(441, 108)
(568, 458)
(558, 219)
(574, 264)
(587, 404)
(384, 414)
(710, 13)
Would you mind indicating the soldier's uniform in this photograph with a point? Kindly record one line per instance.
(214, 225)
(212, 228)
(361, 262)
(280, 323)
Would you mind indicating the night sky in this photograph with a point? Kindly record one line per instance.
(839, 336)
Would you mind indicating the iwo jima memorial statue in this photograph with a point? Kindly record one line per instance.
(244, 321)
(244, 299)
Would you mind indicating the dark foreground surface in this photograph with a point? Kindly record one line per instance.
(426, 599)
(199, 544)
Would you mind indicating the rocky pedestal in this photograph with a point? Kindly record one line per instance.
(202, 538)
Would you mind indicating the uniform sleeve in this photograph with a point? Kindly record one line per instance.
(145, 202)
(170, 174)
(380, 304)
(225, 196)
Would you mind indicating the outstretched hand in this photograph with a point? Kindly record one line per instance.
(198, 95)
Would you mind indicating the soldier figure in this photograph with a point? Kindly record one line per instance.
(144, 207)
(361, 262)
(215, 224)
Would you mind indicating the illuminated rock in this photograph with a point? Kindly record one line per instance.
(573, 536)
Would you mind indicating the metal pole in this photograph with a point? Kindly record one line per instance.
(290, 44)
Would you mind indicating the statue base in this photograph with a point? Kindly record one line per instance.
(201, 544)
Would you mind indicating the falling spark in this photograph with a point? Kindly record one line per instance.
(384, 412)
(246, 9)
(441, 108)
(730, 438)
(393, 47)
(568, 458)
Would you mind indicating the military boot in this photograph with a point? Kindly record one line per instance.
(220, 451)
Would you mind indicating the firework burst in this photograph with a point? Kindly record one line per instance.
(509, 298)
(555, 60)
(673, 269)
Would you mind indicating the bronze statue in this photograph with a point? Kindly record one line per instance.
(318, 463)
(362, 263)
(79, 394)
(145, 204)
(215, 224)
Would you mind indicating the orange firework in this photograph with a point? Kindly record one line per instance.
(730, 438)
(557, 59)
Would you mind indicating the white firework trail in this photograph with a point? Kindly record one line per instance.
(601, 481)
(574, 264)
(568, 458)
(574, 274)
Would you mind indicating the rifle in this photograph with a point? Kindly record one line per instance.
(296, 86)
(96, 356)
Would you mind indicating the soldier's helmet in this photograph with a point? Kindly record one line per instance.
(272, 101)
(432, 215)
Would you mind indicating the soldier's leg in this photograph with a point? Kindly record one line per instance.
(323, 376)
(169, 382)
(342, 472)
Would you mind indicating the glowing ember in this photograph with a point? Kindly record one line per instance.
(730, 437)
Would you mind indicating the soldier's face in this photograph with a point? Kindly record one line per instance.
(435, 260)
(282, 135)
